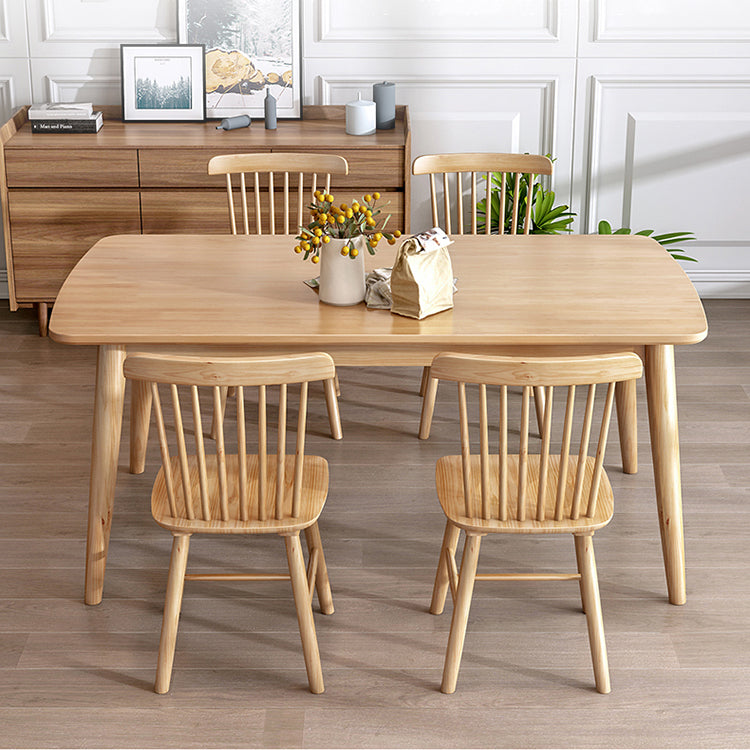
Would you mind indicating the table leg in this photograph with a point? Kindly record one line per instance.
(627, 424)
(428, 407)
(661, 391)
(140, 418)
(105, 449)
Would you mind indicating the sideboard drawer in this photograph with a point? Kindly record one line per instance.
(51, 230)
(78, 168)
(181, 167)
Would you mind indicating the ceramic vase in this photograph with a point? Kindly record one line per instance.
(342, 278)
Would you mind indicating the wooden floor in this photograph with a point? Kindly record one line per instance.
(78, 676)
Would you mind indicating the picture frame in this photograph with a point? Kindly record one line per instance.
(163, 82)
(251, 46)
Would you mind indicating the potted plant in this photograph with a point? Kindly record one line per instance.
(337, 237)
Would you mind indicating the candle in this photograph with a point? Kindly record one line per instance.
(384, 96)
(360, 117)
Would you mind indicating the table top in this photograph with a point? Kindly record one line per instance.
(249, 290)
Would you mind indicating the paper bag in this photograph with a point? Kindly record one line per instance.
(422, 277)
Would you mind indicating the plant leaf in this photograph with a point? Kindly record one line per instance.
(605, 227)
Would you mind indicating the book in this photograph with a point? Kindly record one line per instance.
(91, 125)
(61, 111)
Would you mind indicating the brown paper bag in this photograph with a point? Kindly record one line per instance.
(422, 279)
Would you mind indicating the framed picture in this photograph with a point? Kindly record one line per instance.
(251, 46)
(163, 82)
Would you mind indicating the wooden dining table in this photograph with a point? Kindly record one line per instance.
(532, 295)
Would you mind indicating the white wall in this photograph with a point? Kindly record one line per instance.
(644, 103)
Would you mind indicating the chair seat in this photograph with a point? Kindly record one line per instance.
(313, 497)
(450, 490)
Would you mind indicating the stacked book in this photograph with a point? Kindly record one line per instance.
(64, 117)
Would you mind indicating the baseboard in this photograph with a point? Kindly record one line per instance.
(732, 284)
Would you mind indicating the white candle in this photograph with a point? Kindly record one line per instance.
(360, 117)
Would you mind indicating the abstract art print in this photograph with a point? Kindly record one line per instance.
(251, 46)
(162, 82)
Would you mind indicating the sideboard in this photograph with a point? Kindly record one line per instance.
(60, 193)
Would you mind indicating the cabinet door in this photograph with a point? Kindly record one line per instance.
(52, 229)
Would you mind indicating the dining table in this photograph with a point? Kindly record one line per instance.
(531, 295)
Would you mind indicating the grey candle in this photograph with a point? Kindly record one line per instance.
(384, 96)
(269, 110)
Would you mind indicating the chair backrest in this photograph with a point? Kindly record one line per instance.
(314, 165)
(497, 493)
(215, 373)
(511, 167)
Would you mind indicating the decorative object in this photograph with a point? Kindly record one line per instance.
(336, 238)
(250, 45)
(342, 277)
(384, 96)
(360, 116)
(232, 123)
(550, 219)
(162, 82)
(269, 110)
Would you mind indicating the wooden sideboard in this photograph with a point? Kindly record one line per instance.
(60, 193)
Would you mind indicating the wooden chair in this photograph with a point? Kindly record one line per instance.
(268, 165)
(547, 493)
(237, 492)
(291, 166)
(511, 168)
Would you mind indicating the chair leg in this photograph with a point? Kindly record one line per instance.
(303, 604)
(440, 588)
(172, 606)
(322, 583)
(461, 612)
(140, 417)
(627, 424)
(593, 606)
(428, 407)
(579, 565)
(425, 380)
(332, 404)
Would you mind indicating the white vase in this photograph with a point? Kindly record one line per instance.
(342, 278)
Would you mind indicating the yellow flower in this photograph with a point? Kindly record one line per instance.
(377, 236)
(344, 206)
(322, 217)
(298, 249)
(315, 259)
(376, 196)
(340, 218)
(319, 195)
(368, 198)
(354, 252)
(316, 241)
(305, 246)
(397, 233)
(326, 239)
(349, 213)
(391, 241)
(329, 198)
(355, 206)
(318, 231)
(368, 213)
(345, 250)
(331, 219)
(370, 221)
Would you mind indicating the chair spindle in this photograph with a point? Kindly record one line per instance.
(465, 447)
(242, 455)
(523, 455)
(544, 457)
(281, 453)
(262, 453)
(600, 449)
(575, 510)
(484, 458)
(166, 459)
(447, 203)
(182, 453)
(503, 458)
(460, 202)
(299, 457)
(200, 452)
(221, 455)
(562, 479)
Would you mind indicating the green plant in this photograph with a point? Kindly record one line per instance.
(547, 218)
(665, 240)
